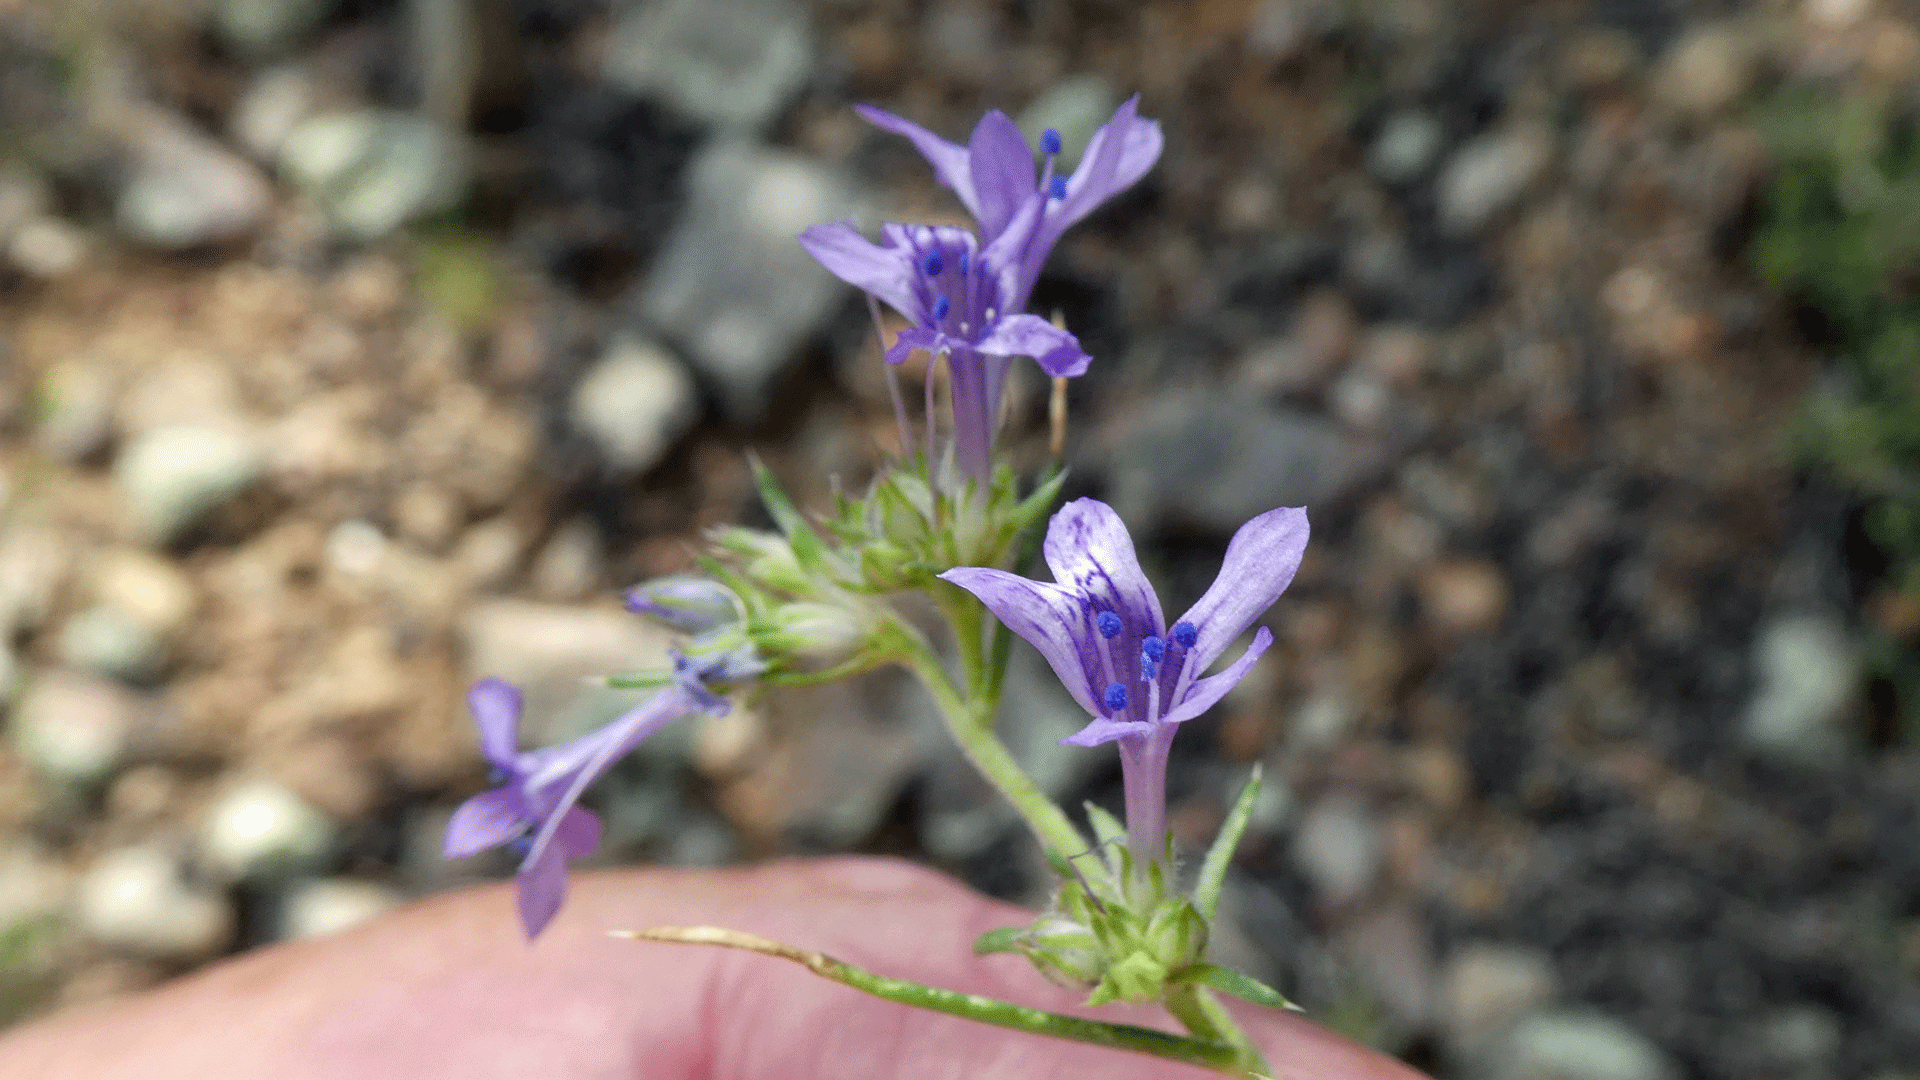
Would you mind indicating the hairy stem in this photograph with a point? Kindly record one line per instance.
(1203, 1017)
(970, 720)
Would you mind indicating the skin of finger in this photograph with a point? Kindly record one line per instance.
(445, 988)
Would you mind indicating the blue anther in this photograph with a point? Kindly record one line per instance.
(963, 264)
(1108, 624)
(1185, 634)
(932, 263)
(1057, 187)
(520, 845)
(941, 305)
(1050, 140)
(496, 776)
(1116, 697)
(1154, 649)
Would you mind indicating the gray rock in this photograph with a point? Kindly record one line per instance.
(1708, 71)
(1486, 988)
(725, 63)
(173, 477)
(1075, 106)
(272, 107)
(1213, 459)
(183, 189)
(73, 729)
(633, 403)
(732, 288)
(330, 905)
(372, 170)
(136, 899)
(1406, 146)
(1339, 848)
(257, 829)
(1809, 671)
(258, 28)
(47, 247)
(107, 641)
(1488, 175)
(1581, 1046)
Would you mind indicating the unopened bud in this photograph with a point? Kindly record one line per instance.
(816, 633)
(691, 605)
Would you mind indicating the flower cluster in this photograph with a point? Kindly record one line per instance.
(965, 294)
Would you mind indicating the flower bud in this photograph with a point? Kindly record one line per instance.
(1066, 952)
(691, 605)
(767, 559)
(816, 633)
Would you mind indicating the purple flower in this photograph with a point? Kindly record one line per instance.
(1101, 628)
(535, 799)
(965, 296)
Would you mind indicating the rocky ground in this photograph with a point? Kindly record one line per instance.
(354, 348)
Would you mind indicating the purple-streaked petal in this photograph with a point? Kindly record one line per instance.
(885, 271)
(539, 889)
(1091, 554)
(1260, 563)
(1016, 255)
(1052, 619)
(496, 712)
(1117, 156)
(579, 833)
(489, 819)
(949, 160)
(913, 337)
(1002, 167)
(1207, 692)
(1056, 351)
(1105, 730)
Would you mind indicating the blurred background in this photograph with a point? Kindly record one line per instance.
(352, 349)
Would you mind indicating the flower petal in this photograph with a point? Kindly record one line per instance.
(1260, 563)
(579, 833)
(1052, 619)
(496, 712)
(539, 889)
(489, 819)
(1105, 730)
(1056, 351)
(1002, 167)
(885, 271)
(1207, 692)
(949, 160)
(1117, 156)
(1091, 554)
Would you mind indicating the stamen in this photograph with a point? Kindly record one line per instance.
(1116, 697)
(941, 306)
(1152, 651)
(1057, 187)
(496, 776)
(1108, 624)
(963, 262)
(1185, 634)
(1050, 141)
(932, 263)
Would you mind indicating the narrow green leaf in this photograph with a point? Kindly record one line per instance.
(639, 680)
(1005, 939)
(807, 546)
(1161, 1044)
(1213, 870)
(1107, 829)
(1228, 981)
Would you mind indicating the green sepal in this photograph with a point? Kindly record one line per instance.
(1213, 870)
(1107, 829)
(1006, 939)
(808, 548)
(1038, 502)
(1229, 981)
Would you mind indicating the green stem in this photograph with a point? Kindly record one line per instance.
(1207, 1054)
(1202, 1015)
(971, 723)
